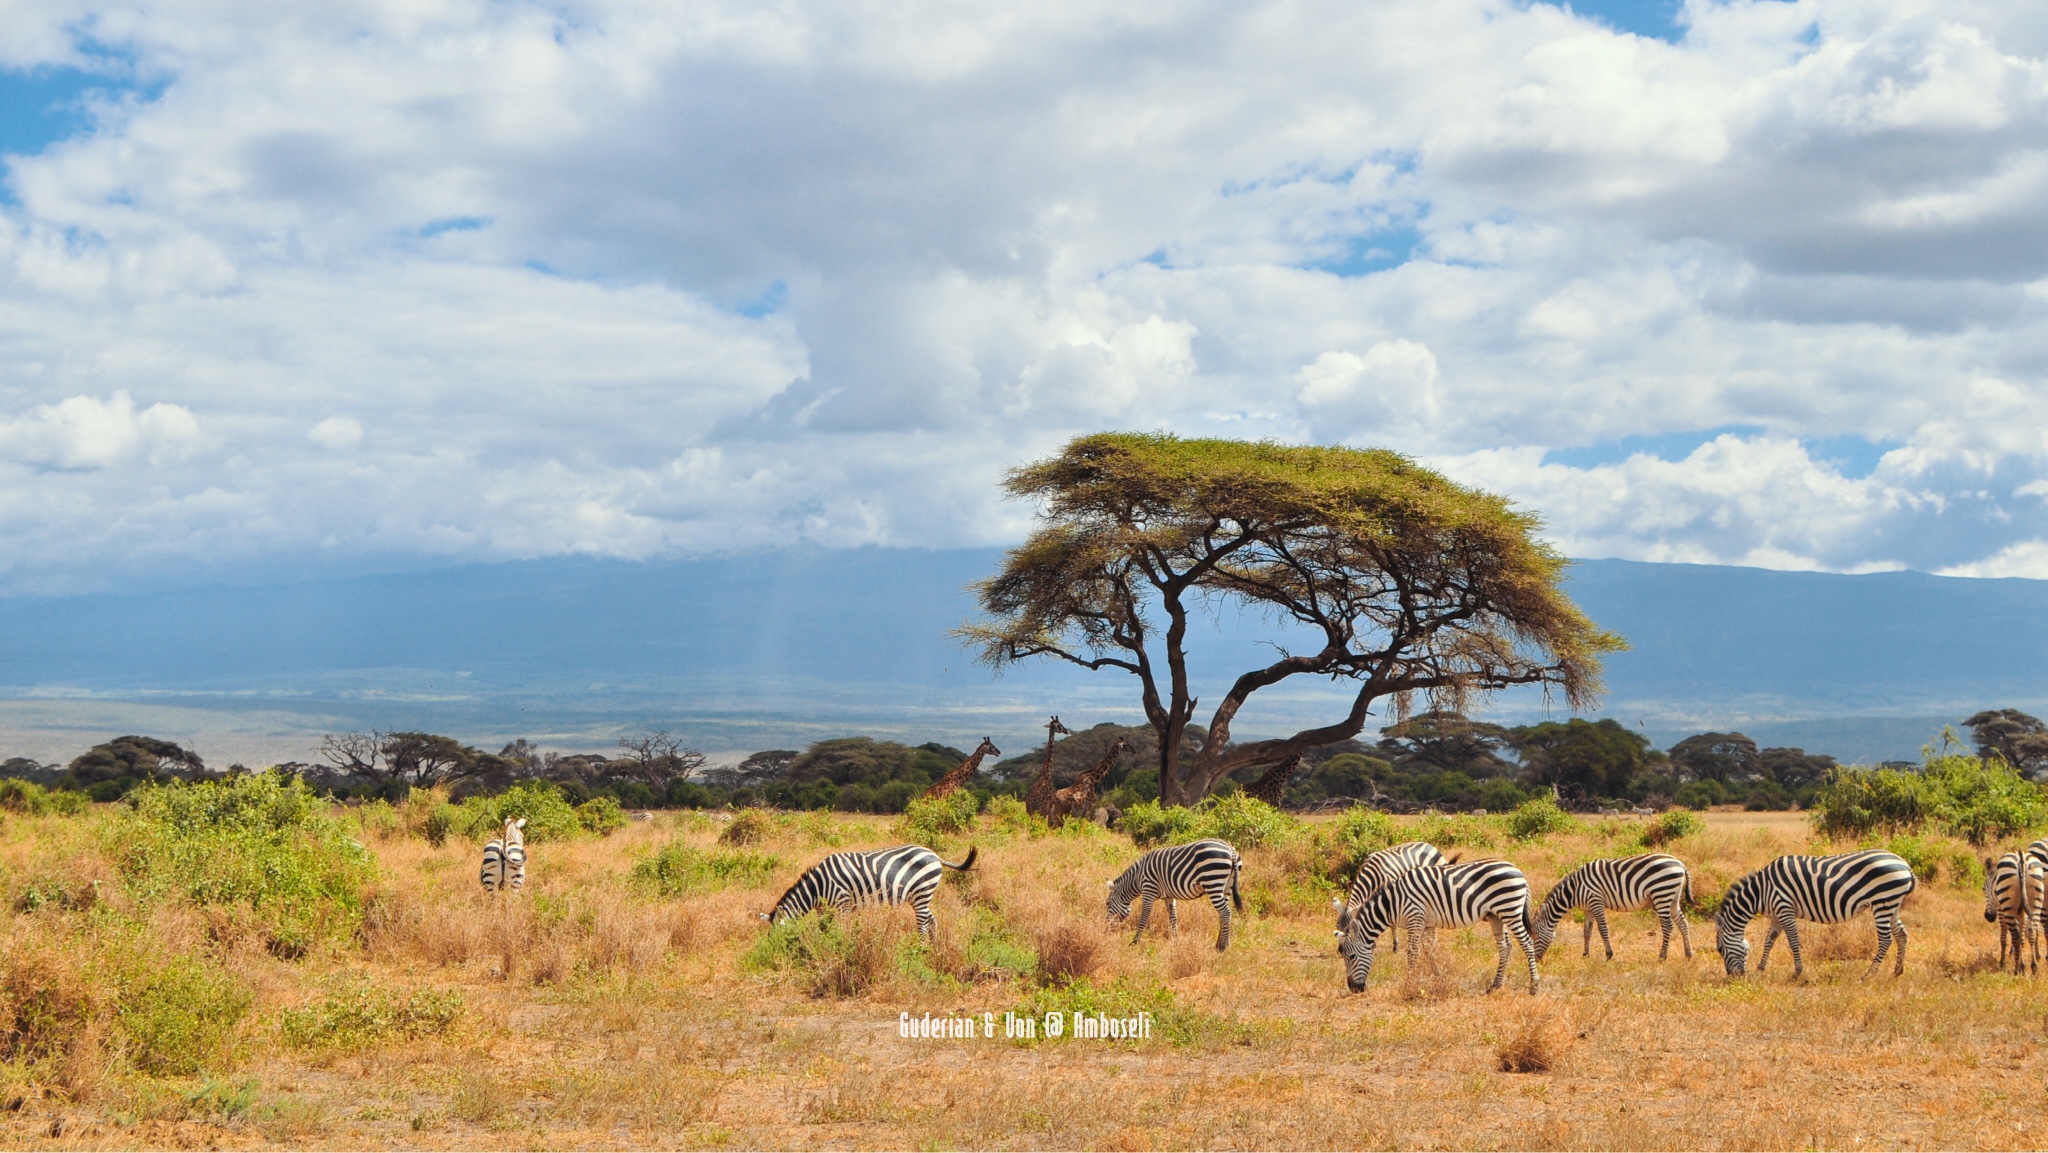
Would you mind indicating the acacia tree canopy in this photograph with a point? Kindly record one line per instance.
(1409, 582)
(2020, 738)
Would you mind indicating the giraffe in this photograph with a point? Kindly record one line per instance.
(951, 782)
(1273, 785)
(1079, 797)
(1038, 798)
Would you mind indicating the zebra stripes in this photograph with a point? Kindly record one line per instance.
(1382, 866)
(1656, 881)
(1180, 873)
(905, 874)
(2009, 904)
(1441, 896)
(505, 859)
(1825, 889)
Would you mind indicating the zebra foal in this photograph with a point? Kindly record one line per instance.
(505, 859)
(1380, 868)
(1441, 896)
(1656, 881)
(1180, 873)
(1825, 889)
(2011, 885)
(906, 874)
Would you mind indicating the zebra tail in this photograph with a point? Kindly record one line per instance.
(966, 864)
(1236, 898)
(1687, 897)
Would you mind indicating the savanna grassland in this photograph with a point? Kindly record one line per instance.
(631, 997)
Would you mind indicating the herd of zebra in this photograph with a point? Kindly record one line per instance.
(1413, 887)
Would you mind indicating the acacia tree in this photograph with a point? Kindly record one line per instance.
(1408, 582)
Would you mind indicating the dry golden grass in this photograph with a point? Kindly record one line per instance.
(599, 1015)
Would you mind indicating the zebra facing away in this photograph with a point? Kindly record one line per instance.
(1382, 866)
(2008, 904)
(1825, 889)
(505, 859)
(906, 874)
(1441, 896)
(1180, 873)
(1655, 881)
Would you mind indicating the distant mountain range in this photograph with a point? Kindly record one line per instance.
(777, 648)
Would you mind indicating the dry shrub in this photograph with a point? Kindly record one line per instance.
(1068, 952)
(859, 959)
(482, 1097)
(1430, 977)
(52, 1016)
(1190, 956)
(1537, 1046)
(748, 827)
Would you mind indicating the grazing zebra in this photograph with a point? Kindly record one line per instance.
(1180, 873)
(1655, 881)
(2008, 904)
(1824, 889)
(1382, 866)
(1441, 896)
(505, 859)
(906, 873)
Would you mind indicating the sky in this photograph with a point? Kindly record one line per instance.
(354, 286)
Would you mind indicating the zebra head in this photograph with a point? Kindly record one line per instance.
(1741, 902)
(1121, 892)
(1991, 888)
(1543, 922)
(1358, 936)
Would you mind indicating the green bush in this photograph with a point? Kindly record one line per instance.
(1670, 827)
(681, 868)
(1964, 796)
(601, 815)
(549, 816)
(179, 1016)
(440, 821)
(749, 826)
(359, 1015)
(33, 800)
(1538, 818)
(260, 841)
(1925, 859)
(1008, 814)
(1243, 821)
(1468, 831)
(929, 819)
(1701, 794)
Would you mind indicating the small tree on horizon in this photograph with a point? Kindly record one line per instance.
(1410, 583)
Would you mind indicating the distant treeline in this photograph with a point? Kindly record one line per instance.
(1432, 760)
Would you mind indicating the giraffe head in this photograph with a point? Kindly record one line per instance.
(1054, 728)
(988, 748)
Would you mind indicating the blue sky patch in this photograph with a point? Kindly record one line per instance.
(1853, 456)
(773, 299)
(1374, 252)
(1657, 19)
(42, 106)
(455, 224)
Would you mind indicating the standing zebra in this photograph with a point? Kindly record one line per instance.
(2008, 904)
(505, 859)
(2036, 859)
(1441, 896)
(1655, 881)
(1383, 866)
(906, 873)
(1180, 873)
(1824, 889)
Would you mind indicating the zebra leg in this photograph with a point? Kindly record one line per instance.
(1500, 944)
(2033, 946)
(1664, 926)
(1884, 942)
(1528, 944)
(1684, 931)
(926, 923)
(1221, 900)
(1172, 918)
(1770, 939)
(1899, 931)
(2005, 928)
(1144, 916)
(1586, 933)
(1792, 942)
(1599, 913)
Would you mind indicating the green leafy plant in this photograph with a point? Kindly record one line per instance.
(1978, 800)
(930, 819)
(549, 815)
(1670, 827)
(681, 868)
(357, 1015)
(1538, 818)
(601, 815)
(179, 1014)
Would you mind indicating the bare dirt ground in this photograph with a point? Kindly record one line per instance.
(598, 1014)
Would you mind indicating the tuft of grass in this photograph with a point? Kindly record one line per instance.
(359, 1015)
(1537, 1045)
(29, 799)
(831, 956)
(681, 868)
(180, 1014)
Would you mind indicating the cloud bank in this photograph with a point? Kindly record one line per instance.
(467, 280)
